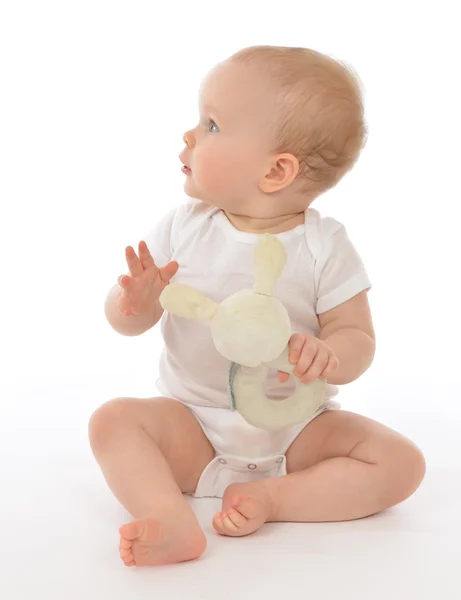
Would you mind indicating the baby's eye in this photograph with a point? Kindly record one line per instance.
(212, 127)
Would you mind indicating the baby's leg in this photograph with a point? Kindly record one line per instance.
(341, 467)
(150, 451)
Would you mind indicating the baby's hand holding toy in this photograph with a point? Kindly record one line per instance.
(313, 358)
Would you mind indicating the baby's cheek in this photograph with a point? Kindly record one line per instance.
(213, 171)
(224, 170)
(206, 164)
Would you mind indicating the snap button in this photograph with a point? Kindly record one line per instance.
(279, 460)
(222, 461)
(252, 466)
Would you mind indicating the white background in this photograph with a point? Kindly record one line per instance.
(95, 97)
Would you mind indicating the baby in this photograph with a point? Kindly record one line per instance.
(278, 127)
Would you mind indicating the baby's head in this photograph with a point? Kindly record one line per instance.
(278, 127)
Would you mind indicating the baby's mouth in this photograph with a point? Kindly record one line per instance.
(186, 170)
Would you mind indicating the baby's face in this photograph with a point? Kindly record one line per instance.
(227, 152)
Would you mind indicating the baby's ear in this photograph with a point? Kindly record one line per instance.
(187, 302)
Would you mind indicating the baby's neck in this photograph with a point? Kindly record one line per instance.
(270, 225)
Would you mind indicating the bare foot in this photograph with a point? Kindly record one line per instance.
(151, 541)
(246, 506)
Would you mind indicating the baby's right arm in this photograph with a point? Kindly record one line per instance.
(132, 306)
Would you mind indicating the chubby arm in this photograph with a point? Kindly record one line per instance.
(348, 330)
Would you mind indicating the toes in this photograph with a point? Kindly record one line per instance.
(131, 531)
(228, 524)
(125, 553)
(125, 543)
(217, 523)
(224, 524)
(130, 564)
(237, 518)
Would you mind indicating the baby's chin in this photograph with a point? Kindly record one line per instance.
(209, 199)
(250, 208)
(197, 196)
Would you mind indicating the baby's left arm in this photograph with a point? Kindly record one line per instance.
(344, 349)
(348, 330)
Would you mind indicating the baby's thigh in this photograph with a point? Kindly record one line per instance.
(339, 433)
(167, 423)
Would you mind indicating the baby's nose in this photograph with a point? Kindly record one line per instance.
(188, 139)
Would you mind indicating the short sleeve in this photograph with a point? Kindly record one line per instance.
(343, 274)
(159, 239)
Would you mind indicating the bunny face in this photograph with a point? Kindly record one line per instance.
(250, 328)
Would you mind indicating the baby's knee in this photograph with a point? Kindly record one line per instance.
(107, 420)
(409, 470)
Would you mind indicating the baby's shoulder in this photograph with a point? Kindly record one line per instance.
(321, 232)
(324, 226)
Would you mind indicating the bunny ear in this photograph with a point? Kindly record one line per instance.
(269, 260)
(185, 301)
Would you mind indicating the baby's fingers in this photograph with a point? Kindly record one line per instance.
(133, 262)
(283, 377)
(332, 366)
(122, 303)
(145, 256)
(169, 271)
(295, 345)
(306, 358)
(125, 282)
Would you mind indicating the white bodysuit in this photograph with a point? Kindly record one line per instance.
(322, 271)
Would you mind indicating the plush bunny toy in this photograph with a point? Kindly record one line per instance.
(251, 329)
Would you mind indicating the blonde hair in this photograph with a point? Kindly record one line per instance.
(321, 115)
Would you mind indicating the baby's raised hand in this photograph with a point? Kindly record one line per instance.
(313, 358)
(145, 282)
